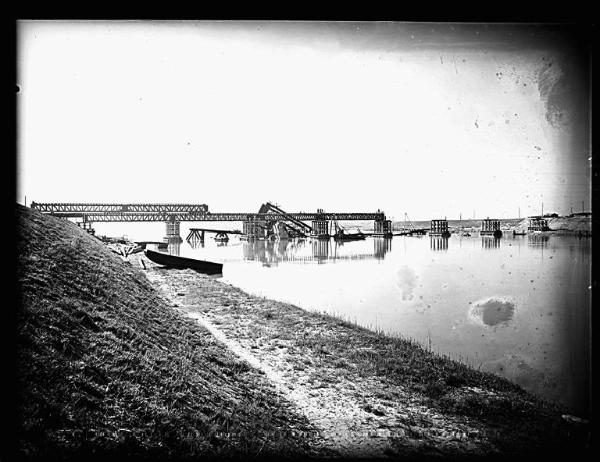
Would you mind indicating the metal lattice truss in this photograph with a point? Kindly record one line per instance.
(89, 209)
(181, 212)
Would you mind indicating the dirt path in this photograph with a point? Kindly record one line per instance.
(357, 415)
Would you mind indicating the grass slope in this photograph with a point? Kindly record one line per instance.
(104, 367)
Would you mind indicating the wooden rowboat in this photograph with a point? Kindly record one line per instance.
(172, 261)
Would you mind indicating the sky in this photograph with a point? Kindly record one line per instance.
(431, 120)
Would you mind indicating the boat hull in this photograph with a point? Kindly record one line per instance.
(349, 237)
(172, 261)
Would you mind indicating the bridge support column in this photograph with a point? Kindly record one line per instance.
(439, 228)
(320, 229)
(490, 227)
(87, 226)
(172, 228)
(252, 229)
(382, 228)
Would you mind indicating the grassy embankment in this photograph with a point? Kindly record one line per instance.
(104, 367)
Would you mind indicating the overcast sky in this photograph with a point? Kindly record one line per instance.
(429, 119)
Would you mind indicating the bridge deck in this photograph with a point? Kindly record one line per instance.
(182, 212)
(226, 231)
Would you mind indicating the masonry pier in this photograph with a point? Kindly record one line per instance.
(320, 226)
(439, 228)
(382, 228)
(490, 227)
(172, 229)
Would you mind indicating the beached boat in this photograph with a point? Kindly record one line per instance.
(172, 261)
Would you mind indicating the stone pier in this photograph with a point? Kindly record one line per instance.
(320, 226)
(490, 227)
(382, 228)
(252, 229)
(172, 229)
(439, 228)
(320, 229)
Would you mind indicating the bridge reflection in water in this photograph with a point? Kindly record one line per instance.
(321, 251)
(538, 240)
(438, 242)
(196, 242)
(174, 246)
(490, 242)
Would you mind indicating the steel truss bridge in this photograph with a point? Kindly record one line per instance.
(183, 212)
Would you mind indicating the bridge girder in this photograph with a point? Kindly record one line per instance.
(181, 212)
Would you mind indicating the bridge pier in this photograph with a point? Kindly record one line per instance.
(86, 226)
(252, 229)
(439, 228)
(490, 227)
(320, 229)
(382, 228)
(195, 237)
(172, 229)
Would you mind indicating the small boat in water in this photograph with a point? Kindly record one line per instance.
(172, 261)
(341, 234)
(349, 236)
(221, 237)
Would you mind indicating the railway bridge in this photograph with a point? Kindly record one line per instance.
(269, 220)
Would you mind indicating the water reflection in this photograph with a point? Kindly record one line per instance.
(196, 243)
(268, 252)
(321, 251)
(538, 240)
(381, 246)
(490, 242)
(438, 243)
(174, 246)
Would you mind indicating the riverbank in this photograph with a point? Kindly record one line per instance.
(118, 360)
(576, 225)
(105, 368)
(353, 383)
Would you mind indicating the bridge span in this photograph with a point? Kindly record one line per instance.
(256, 225)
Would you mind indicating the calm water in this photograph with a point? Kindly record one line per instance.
(516, 306)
